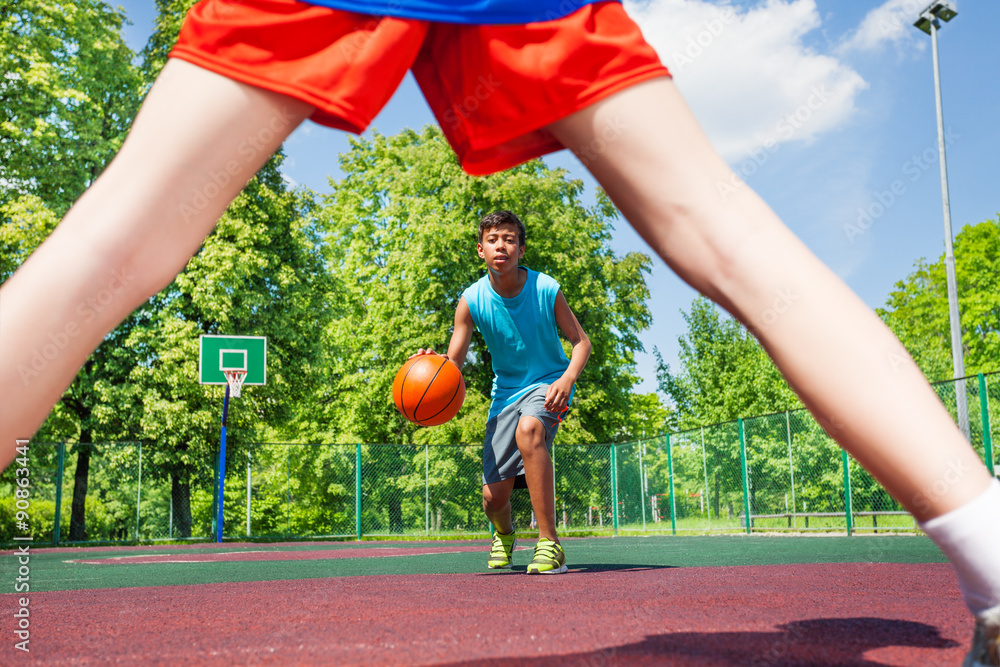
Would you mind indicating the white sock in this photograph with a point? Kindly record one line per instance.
(970, 537)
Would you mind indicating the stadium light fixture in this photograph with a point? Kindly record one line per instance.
(941, 9)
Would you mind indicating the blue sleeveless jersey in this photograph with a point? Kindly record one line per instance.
(481, 12)
(521, 334)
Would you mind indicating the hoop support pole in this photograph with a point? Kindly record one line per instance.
(220, 492)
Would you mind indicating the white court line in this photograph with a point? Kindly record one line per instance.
(114, 558)
(196, 559)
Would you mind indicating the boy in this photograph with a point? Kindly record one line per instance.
(555, 74)
(517, 310)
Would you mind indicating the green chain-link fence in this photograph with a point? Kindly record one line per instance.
(780, 469)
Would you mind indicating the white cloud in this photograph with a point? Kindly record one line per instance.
(748, 74)
(891, 23)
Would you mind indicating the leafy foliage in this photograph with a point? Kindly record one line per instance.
(259, 273)
(917, 309)
(724, 374)
(401, 233)
(67, 96)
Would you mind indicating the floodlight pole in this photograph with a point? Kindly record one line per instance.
(957, 356)
(220, 491)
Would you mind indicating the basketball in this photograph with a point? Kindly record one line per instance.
(428, 390)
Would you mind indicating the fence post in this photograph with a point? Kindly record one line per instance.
(614, 489)
(791, 465)
(215, 498)
(704, 463)
(642, 487)
(984, 411)
(288, 488)
(746, 478)
(847, 493)
(357, 492)
(249, 457)
(59, 482)
(138, 494)
(427, 491)
(670, 475)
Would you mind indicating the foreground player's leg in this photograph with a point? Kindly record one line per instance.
(196, 141)
(549, 556)
(496, 504)
(850, 371)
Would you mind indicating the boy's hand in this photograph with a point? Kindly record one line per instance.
(422, 351)
(557, 395)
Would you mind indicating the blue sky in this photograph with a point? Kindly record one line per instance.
(825, 106)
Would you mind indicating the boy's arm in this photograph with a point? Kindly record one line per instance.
(461, 336)
(557, 396)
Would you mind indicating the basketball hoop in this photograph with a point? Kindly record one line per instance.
(235, 379)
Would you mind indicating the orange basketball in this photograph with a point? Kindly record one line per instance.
(428, 390)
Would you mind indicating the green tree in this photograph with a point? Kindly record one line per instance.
(401, 232)
(649, 417)
(724, 374)
(69, 93)
(169, 18)
(26, 221)
(917, 309)
(67, 97)
(401, 238)
(259, 273)
(82, 414)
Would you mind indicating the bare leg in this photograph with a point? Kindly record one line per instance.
(197, 140)
(849, 369)
(496, 503)
(530, 437)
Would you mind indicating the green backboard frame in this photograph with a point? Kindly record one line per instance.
(220, 353)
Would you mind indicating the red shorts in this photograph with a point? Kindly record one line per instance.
(492, 88)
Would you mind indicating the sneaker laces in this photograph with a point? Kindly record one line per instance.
(498, 548)
(547, 549)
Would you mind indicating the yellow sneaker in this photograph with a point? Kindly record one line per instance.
(502, 550)
(549, 558)
(985, 650)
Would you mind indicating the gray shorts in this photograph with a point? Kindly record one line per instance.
(501, 457)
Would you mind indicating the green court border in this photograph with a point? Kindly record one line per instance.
(51, 571)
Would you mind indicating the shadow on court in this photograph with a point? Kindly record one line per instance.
(587, 568)
(821, 641)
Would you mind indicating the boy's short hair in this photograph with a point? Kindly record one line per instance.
(501, 218)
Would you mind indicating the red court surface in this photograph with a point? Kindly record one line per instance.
(806, 614)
